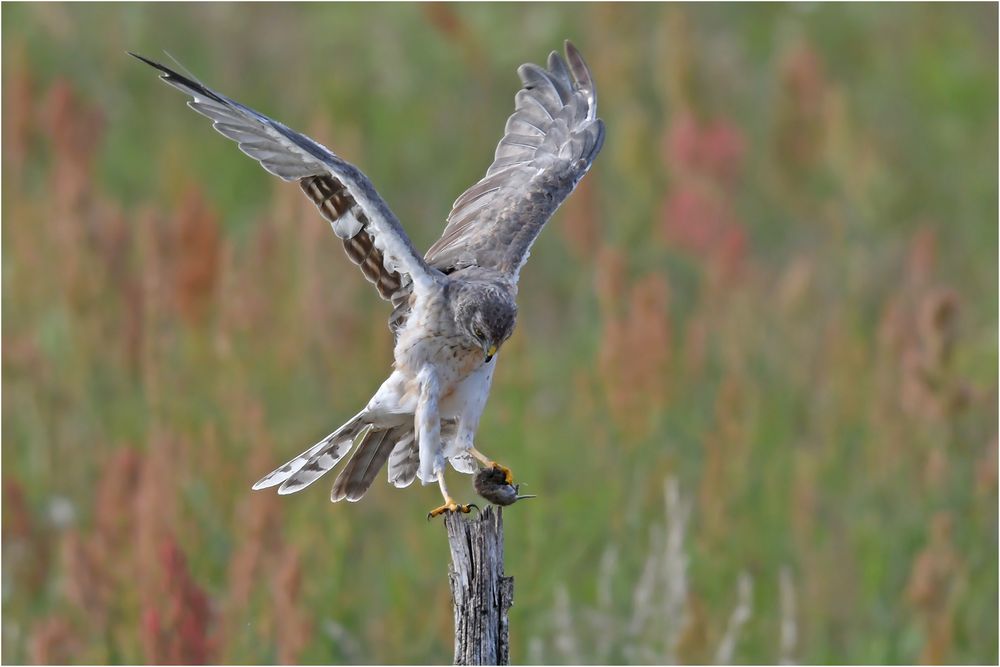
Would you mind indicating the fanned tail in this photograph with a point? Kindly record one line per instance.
(376, 444)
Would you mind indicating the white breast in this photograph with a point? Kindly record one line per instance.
(431, 337)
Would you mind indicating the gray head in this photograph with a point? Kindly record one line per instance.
(486, 314)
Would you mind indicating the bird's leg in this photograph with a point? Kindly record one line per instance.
(490, 463)
(427, 424)
(449, 503)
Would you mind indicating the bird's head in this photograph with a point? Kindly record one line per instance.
(487, 315)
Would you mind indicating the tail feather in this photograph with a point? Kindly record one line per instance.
(314, 461)
(324, 461)
(404, 461)
(372, 452)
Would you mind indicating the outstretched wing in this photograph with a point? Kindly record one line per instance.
(372, 235)
(549, 143)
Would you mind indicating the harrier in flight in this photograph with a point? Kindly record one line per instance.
(454, 307)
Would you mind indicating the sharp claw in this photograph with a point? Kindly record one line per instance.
(450, 506)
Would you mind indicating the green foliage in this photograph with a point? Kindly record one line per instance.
(777, 286)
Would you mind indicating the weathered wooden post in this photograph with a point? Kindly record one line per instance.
(480, 592)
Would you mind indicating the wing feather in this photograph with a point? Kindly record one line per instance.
(372, 235)
(549, 143)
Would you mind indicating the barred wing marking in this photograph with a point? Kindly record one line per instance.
(337, 207)
(372, 235)
(548, 145)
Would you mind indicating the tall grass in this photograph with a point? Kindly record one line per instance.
(776, 287)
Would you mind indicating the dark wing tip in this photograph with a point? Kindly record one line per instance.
(558, 66)
(186, 82)
(599, 142)
(581, 73)
(151, 63)
(578, 66)
(167, 72)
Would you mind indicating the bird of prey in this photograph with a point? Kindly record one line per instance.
(454, 307)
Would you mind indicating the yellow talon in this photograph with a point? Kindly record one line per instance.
(508, 476)
(449, 506)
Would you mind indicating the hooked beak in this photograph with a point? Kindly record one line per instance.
(490, 351)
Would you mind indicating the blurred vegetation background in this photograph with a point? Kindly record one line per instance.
(754, 381)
